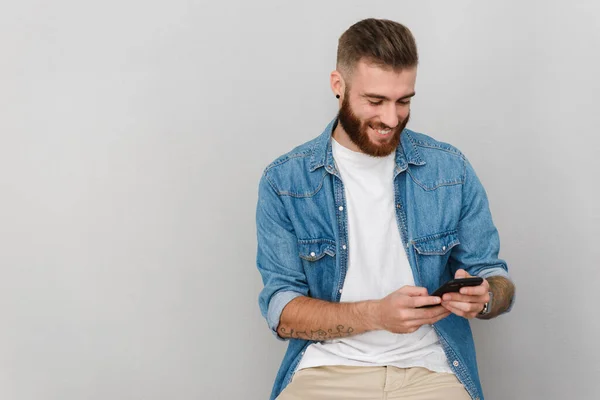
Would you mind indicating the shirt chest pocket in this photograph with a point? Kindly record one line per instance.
(318, 260)
(432, 254)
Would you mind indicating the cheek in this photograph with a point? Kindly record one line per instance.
(364, 112)
(370, 116)
(403, 111)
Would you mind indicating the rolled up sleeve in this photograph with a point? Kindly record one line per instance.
(277, 257)
(479, 240)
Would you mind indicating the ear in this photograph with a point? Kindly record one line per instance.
(337, 83)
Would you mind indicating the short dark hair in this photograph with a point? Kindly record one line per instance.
(378, 41)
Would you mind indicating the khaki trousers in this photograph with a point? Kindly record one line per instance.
(373, 383)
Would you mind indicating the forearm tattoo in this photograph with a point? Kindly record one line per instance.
(319, 335)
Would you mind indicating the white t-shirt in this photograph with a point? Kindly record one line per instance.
(377, 266)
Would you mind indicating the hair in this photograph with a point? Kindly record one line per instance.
(378, 41)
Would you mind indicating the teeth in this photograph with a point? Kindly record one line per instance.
(382, 131)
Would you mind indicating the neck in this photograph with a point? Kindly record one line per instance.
(340, 135)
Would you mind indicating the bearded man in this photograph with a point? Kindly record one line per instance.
(359, 226)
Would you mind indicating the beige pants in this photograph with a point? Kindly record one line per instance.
(373, 383)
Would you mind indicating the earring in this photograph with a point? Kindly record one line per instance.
(337, 96)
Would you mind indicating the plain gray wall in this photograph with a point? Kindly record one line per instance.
(132, 137)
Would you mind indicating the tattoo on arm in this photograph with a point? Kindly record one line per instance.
(320, 334)
(503, 291)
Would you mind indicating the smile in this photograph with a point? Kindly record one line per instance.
(383, 132)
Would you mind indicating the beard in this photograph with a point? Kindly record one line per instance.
(357, 131)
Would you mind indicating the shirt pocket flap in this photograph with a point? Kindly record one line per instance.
(438, 244)
(315, 249)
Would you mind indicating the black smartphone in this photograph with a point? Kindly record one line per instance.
(454, 285)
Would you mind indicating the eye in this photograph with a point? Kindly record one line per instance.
(375, 103)
(404, 102)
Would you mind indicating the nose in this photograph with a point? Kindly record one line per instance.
(389, 115)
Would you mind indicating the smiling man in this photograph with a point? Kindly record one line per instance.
(358, 227)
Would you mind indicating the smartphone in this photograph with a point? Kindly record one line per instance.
(454, 285)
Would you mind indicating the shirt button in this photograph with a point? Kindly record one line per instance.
(312, 254)
(443, 248)
(341, 208)
(340, 290)
(455, 363)
(344, 247)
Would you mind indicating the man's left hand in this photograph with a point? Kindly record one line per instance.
(470, 300)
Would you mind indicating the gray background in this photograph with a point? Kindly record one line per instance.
(132, 137)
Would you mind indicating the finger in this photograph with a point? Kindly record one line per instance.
(433, 320)
(484, 298)
(455, 311)
(439, 317)
(475, 290)
(428, 313)
(409, 315)
(413, 291)
(460, 311)
(464, 307)
(422, 301)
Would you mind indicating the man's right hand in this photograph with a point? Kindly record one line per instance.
(399, 311)
(313, 319)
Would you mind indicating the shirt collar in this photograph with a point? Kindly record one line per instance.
(322, 156)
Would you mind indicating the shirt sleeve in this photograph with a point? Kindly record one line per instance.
(479, 240)
(277, 257)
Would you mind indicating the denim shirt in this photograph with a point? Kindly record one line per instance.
(302, 227)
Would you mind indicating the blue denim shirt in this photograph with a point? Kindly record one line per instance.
(302, 227)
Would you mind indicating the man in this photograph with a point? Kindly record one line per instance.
(356, 228)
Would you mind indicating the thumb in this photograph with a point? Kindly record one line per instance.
(461, 273)
(413, 291)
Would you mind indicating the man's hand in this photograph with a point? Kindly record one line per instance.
(469, 301)
(399, 311)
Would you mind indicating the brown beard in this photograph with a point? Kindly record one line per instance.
(357, 131)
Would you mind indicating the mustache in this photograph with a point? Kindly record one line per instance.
(401, 124)
(381, 126)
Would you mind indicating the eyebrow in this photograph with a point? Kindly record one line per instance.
(378, 96)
